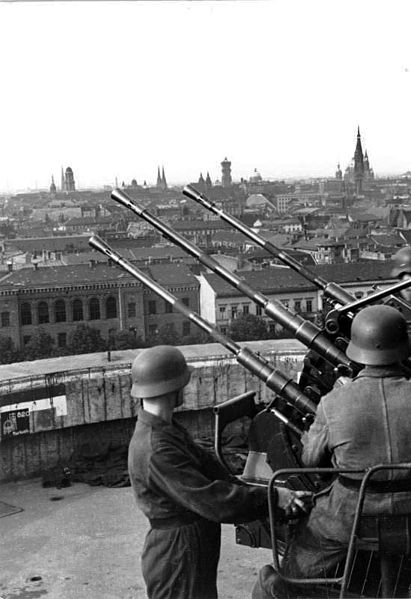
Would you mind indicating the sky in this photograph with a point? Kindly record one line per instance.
(115, 89)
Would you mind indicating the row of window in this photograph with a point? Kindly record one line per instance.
(235, 310)
(185, 331)
(153, 306)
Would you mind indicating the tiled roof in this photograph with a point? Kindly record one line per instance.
(37, 244)
(83, 274)
(280, 280)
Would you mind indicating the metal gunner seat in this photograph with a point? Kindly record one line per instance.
(383, 541)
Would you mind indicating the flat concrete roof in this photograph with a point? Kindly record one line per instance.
(85, 542)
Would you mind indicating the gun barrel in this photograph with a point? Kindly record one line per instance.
(273, 378)
(303, 330)
(331, 290)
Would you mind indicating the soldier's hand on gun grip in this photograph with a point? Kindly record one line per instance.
(294, 503)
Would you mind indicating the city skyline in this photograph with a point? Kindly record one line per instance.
(115, 90)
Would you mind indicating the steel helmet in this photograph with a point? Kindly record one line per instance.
(159, 370)
(378, 336)
(401, 262)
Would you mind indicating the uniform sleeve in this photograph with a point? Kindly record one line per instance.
(315, 442)
(173, 473)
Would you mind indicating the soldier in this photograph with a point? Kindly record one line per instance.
(181, 488)
(402, 269)
(361, 424)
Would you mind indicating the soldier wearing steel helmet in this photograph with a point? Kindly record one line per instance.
(402, 269)
(361, 424)
(181, 488)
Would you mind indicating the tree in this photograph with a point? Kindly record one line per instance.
(8, 352)
(247, 327)
(167, 335)
(40, 346)
(126, 340)
(85, 339)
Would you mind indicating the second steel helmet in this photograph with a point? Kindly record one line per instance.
(401, 262)
(159, 370)
(378, 337)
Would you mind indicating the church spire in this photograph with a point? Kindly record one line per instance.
(158, 178)
(63, 180)
(163, 179)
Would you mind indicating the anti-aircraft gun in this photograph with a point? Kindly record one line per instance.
(275, 430)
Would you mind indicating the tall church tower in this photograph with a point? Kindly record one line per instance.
(63, 181)
(358, 165)
(159, 182)
(226, 179)
(53, 188)
(69, 180)
(163, 179)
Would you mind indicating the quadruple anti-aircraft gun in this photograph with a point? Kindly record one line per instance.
(276, 427)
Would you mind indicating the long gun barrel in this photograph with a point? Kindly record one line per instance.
(331, 290)
(273, 378)
(303, 330)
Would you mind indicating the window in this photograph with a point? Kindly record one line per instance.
(131, 310)
(43, 312)
(258, 310)
(60, 311)
(271, 329)
(26, 339)
(111, 307)
(233, 311)
(297, 305)
(94, 309)
(186, 328)
(77, 310)
(223, 330)
(169, 308)
(309, 305)
(5, 319)
(25, 313)
(186, 301)
(222, 311)
(246, 309)
(358, 294)
(286, 303)
(152, 330)
(62, 339)
(152, 307)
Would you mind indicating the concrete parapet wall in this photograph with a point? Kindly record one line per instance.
(45, 417)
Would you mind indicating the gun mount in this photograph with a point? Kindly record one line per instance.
(303, 330)
(275, 380)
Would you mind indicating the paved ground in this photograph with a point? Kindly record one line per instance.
(84, 543)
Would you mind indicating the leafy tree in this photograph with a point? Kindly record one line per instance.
(248, 327)
(40, 346)
(166, 335)
(200, 338)
(126, 340)
(85, 339)
(8, 352)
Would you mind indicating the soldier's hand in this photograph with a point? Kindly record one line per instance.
(294, 503)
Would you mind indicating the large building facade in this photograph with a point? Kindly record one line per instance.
(58, 299)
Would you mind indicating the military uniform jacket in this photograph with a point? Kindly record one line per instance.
(362, 424)
(174, 478)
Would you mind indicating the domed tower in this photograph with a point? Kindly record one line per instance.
(69, 179)
(226, 179)
(358, 164)
(53, 187)
(338, 172)
(208, 180)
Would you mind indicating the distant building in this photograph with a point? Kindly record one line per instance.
(226, 179)
(358, 173)
(58, 299)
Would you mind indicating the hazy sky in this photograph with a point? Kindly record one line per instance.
(114, 89)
